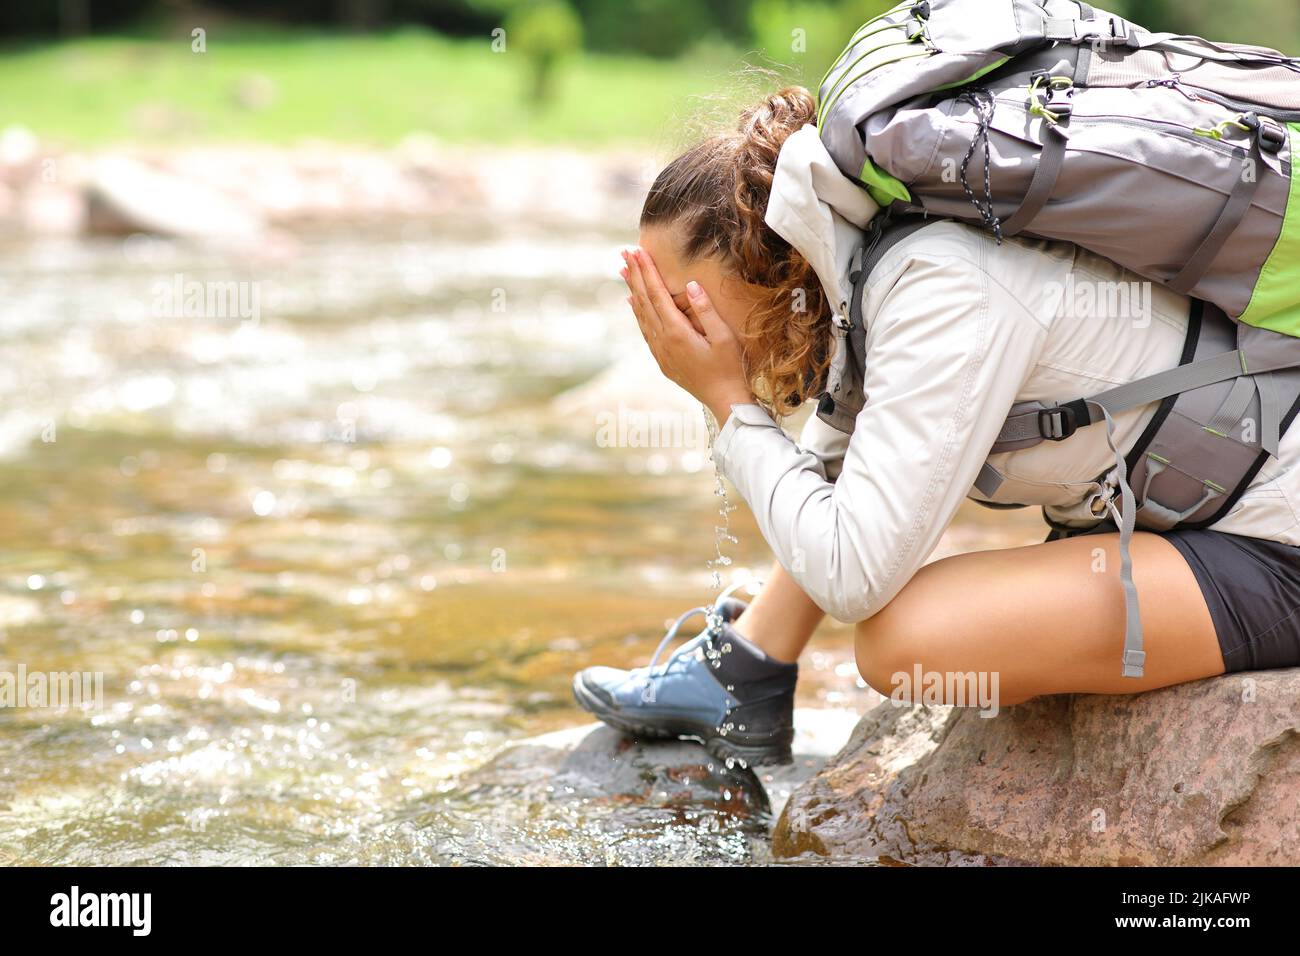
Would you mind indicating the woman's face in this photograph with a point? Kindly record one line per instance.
(725, 292)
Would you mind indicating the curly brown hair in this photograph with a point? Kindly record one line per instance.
(715, 195)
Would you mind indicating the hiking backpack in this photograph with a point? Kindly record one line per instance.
(1170, 155)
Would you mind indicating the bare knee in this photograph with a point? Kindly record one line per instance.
(887, 645)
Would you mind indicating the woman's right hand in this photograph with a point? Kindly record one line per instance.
(708, 364)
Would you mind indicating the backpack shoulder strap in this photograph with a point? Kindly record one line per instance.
(885, 232)
(843, 399)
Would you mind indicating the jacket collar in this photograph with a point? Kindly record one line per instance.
(819, 211)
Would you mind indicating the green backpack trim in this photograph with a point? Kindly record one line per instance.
(884, 188)
(1275, 303)
(974, 76)
(846, 81)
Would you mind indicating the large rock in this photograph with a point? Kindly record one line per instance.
(1206, 773)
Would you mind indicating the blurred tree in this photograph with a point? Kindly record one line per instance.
(797, 35)
(359, 14)
(545, 31)
(452, 16)
(662, 28)
(803, 37)
(731, 18)
(68, 17)
(74, 17)
(658, 27)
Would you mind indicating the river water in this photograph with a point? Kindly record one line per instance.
(335, 548)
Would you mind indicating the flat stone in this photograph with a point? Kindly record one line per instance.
(591, 794)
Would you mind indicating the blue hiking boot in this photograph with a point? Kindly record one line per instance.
(717, 688)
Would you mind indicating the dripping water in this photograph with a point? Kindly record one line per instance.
(722, 529)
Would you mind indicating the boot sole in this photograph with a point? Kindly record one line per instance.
(724, 748)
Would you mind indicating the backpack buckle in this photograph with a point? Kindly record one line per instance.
(1057, 424)
(1049, 96)
(1117, 33)
(1272, 136)
(1104, 31)
(1099, 30)
(1119, 30)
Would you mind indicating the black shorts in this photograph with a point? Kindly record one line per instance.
(1252, 588)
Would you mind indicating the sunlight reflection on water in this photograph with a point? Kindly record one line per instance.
(330, 560)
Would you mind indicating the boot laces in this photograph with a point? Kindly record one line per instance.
(712, 616)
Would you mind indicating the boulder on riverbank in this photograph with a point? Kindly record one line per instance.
(1205, 773)
(125, 196)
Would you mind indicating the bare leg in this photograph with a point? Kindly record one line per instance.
(1047, 619)
(781, 619)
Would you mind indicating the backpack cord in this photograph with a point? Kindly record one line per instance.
(982, 101)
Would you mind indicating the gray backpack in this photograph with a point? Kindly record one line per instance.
(1169, 155)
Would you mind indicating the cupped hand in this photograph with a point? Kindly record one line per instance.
(706, 361)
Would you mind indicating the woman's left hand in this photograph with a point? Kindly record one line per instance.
(707, 364)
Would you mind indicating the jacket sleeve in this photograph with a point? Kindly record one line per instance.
(947, 351)
(826, 443)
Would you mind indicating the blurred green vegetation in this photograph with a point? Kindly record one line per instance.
(372, 71)
(547, 32)
(372, 89)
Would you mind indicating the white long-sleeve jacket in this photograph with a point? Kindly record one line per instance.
(958, 329)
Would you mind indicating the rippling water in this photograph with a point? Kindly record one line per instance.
(334, 555)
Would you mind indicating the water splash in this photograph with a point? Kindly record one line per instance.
(721, 532)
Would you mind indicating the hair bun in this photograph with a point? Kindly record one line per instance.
(777, 116)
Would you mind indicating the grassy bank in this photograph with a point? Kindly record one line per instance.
(284, 88)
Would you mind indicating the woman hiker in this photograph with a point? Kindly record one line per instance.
(746, 248)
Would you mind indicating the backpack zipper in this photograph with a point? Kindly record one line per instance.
(1174, 129)
(1246, 106)
(1199, 94)
(1159, 126)
(1175, 82)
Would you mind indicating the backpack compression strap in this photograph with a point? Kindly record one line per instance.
(1030, 427)
(1125, 516)
(1112, 31)
(1195, 462)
